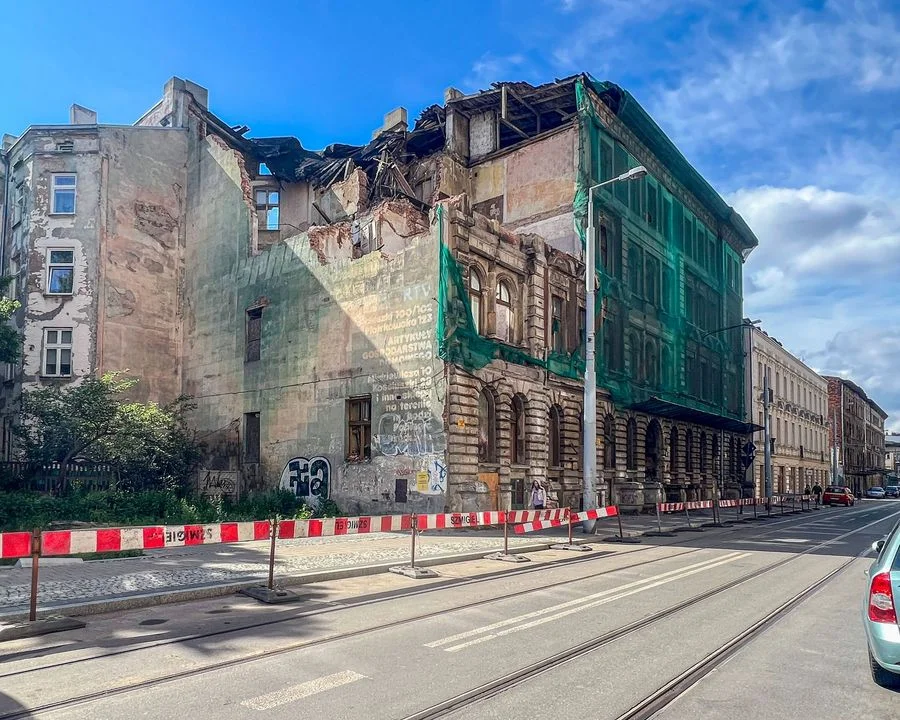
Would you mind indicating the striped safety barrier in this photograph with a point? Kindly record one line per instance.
(15, 544)
(323, 527)
(562, 517)
(445, 521)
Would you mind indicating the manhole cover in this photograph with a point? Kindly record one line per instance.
(152, 621)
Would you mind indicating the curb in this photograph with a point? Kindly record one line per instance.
(202, 592)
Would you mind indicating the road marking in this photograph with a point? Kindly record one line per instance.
(539, 617)
(303, 690)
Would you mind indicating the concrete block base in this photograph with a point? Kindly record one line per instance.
(657, 533)
(276, 596)
(692, 528)
(45, 626)
(567, 546)
(416, 573)
(504, 557)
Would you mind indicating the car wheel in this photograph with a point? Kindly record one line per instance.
(882, 677)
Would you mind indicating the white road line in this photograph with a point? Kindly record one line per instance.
(303, 690)
(595, 603)
(577, 601)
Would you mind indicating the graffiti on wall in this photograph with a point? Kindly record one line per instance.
(437, 477)
(217, 483)
(307, 478)
(413, 434)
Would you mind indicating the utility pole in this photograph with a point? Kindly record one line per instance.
(589, 422)
(767, 426)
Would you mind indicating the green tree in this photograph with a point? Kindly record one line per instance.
(93, 419)
(10, 340)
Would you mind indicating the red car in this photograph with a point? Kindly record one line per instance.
(838, 496)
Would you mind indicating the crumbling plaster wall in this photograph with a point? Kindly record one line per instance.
(142, 238)
(333, 328)
(46, 231)
(531, 189)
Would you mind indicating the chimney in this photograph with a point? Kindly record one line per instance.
(79, 115)
(394, 120)
(451, 93)
(7, 142)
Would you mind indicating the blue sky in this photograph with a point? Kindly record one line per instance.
(789, 108)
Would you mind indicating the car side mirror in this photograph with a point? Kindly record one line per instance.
(877, 545)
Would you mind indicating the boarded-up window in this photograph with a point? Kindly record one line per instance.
(254, 333)
(555, 436)
(401, 486)
(251, 437)
(359, 429)
(517, 432)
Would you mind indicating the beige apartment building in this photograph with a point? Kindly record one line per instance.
(798, 415)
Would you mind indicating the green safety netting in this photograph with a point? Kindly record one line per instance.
(686, 273)
(458, 340)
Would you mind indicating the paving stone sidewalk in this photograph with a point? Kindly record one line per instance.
(190, 567)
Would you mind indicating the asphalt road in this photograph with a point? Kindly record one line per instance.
(580, 634)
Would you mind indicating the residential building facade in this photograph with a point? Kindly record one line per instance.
(856, 425)
(892, 459)
(400, 325)
(798, 414)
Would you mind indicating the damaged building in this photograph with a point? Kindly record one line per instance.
(400, 325)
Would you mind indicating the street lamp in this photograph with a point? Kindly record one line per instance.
(589, 422)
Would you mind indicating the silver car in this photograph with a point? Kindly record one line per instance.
(880, 611)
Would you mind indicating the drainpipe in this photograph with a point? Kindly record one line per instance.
(5, 219)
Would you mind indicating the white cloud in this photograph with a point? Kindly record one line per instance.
(491, 68)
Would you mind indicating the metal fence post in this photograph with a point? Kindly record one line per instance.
(274, 534)
(35, 558)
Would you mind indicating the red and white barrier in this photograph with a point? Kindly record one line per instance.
(560, 517)
(323, 527)
(450, 521)
(524, 516)
(15, 544)
(595, 514)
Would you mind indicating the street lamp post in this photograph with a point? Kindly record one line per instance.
(589, 422)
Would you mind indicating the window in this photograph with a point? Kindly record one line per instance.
(251, 437)
(359, 429)
(689, 450)
(254, 333)
(18, 203)
(609, 443)
(620, 166)
(63, 192)
(555, 455)
(505, 314)
(517, 432)
(703, 452)
(57, 352)
(557, 324)
(635, 358)
(652, 280)
(267, 209)
(673, 450)
(651, 363)
(631, 445)
(518, 494)
(475, 298)
(635, 270)
(487, 428)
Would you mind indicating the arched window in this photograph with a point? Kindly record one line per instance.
(609, 443)
(715, 452)
(703, 452)
(555, 436)
(651, 363)
(487, 428)
(673, 451)
(506, 314)
(636, 358)
(517, 431)
(689, 450)
(475, 298)
(631, 445)
(665, 370)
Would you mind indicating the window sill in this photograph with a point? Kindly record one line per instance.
(357, 461)
(58, 295)
(56, 377)
(61, 214)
